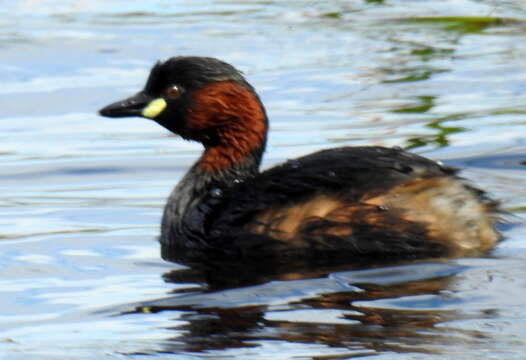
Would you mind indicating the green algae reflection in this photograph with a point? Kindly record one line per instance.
(442, 132)
(426, 103)
(462, 24)
(411, 74)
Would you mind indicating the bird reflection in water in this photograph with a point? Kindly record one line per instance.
(342, 311)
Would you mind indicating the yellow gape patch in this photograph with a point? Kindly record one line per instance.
(154, 108)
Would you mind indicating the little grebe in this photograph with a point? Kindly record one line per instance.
(358, 201)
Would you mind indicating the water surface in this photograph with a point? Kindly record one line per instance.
(81, 196)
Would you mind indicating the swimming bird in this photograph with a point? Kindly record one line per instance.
(366, 201)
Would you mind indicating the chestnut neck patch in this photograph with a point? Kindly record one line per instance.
(230, 121)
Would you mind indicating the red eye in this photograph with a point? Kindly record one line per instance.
(173, 92)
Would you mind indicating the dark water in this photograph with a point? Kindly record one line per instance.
(81, 196)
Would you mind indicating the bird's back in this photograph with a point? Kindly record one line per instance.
(363, 200)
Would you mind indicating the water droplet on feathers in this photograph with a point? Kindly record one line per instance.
(216, 193)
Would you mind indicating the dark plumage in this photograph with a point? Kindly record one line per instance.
(350, 201)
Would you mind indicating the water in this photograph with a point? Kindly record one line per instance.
(81, 196)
